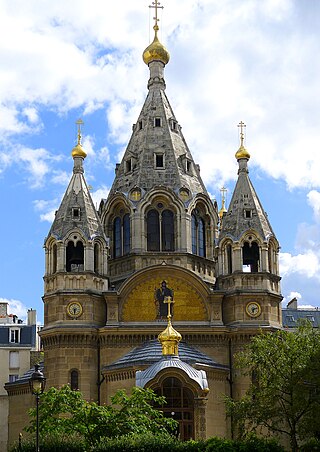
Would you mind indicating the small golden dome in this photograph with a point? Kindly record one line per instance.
(156, 51)
(78, 151)
(242, 153)
(169, 339)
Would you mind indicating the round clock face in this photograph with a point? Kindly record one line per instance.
(74, 309)
(253, 309)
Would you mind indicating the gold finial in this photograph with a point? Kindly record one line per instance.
(242, 153)
(169, 338)
(223, 209)
(156, 51)
(78, 151)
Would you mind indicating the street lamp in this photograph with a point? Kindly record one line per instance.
(37, 384)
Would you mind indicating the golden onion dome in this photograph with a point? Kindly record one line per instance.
(242, 153)
(169, 339)
(78, 151)
(156, 51)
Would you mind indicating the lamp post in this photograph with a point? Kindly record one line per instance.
(37, 384)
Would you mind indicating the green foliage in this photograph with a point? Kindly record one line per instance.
(53, 443)
(284, 397)
(149, 442)
(63, 411)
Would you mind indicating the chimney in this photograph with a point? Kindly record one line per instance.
(32, 317)
(293, 304)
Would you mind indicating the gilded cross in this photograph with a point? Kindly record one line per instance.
(242, 127)
(79, 123)
(156, 5)
(169, 300)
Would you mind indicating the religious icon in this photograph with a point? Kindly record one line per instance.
(162, 297)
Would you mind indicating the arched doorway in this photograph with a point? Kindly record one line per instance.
(179, 406)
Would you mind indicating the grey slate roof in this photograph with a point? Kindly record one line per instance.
(150, 352)
(245, 198)
(77, 195)
(27, 375)
(291, 317)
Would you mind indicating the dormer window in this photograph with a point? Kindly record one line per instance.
(159, 161)
(140, 125)
(247, 213)
(157, 122)
(15, 335)
(188, 166)
(76, 213)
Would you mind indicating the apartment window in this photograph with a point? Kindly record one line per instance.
(14, 335)
(14, 362)
(310, 318)
(157, 122)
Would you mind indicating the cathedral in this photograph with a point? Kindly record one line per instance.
(158, 288)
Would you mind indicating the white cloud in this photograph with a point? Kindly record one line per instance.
(15, 307)
(46, 208)
(99, 194)
(307, 264)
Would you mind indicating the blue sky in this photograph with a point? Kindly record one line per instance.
(255, 61)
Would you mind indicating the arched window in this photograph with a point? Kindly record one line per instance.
(167, 231)
(229, 259)
(96, 258)
(54, 258)
(179, 406)
(198, 235)
(121, 235)
(160, 225)
(250, 257)
(153, 231)
(75, 257)
(74, 380)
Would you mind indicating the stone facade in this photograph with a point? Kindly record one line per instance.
(103, 271)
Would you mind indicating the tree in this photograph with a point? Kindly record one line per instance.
(284, 394)
(64, 411)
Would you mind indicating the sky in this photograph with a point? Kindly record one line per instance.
(230, 61)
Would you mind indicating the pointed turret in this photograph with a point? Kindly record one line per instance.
(248, 254)
(77, 209)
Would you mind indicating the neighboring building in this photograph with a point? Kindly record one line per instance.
(158, 237)
(292, 315)
(17, 342)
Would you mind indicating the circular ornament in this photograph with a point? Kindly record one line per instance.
(253, 309)
(74, 309)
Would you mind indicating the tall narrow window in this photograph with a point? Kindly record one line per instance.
(198, 235)
(96, 258)
(75, 257)
(54, 258)
(153, 231)
(74, 380)
(126, 234)
(14, 361)
(117, 237)
(250, 254)
(121, 235)
(167, 231)
(229, 259)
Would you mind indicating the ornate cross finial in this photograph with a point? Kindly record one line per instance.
(242, 127)
(79, 123)
(169, 300)
(156, 5)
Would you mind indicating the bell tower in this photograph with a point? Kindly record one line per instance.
(248, 255)
(76, 251)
